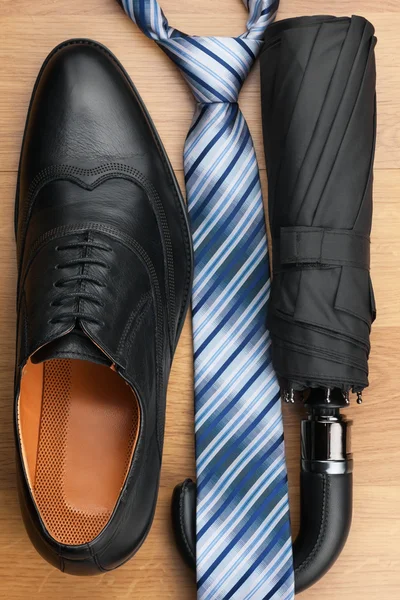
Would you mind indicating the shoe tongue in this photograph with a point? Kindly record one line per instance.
(75, 345)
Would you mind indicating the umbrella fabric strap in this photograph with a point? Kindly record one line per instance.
(321, 246)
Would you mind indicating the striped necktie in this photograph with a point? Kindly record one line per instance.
(244, 548)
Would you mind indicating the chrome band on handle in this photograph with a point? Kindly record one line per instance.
(326, 444)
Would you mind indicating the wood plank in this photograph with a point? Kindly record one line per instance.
(369, 567)
(19, 64)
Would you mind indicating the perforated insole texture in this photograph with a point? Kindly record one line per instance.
(87, 433)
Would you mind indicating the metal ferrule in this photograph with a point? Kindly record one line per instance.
(326, 444)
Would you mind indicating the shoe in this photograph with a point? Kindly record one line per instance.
(105, 271)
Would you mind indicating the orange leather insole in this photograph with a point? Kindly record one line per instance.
(78, 440)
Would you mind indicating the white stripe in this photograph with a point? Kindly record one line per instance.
(203, 276)
(215, 537)
(212, 362)
(217, 75)
(279, 560)
(218, 155)
(244, 555)
(221, 344)
(266, 582)
(242, 64)
(218, 210)
(200, 70)
(236, 376)
(209, 122)
(252, 410)
(274, 429)
(212, 66)
(206, 318)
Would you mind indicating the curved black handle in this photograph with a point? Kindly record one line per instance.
(325, 519)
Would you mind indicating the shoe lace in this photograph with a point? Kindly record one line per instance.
(77, 295)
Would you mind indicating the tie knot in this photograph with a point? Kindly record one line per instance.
(214, 67)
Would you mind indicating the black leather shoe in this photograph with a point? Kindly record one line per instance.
(105, 268)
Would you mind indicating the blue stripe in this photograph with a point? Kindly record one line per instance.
(222, 229)
(287, 579)
(270, 8)
(210, 144)
(193, 140)
(220, 275)
(233, 308)
(201, 205)
(227, 66)
(216, 375)
(201, 82)
(205, 73)
(250, 471)
(248, 279)
(250, 499)
(238, 564)
(228, 449)
(241, 59)
(261, 557)
(245, 46)
(253, 516)
(197, 121)
(253, 313)
(214, 420)
(259, 319)
(207, 176)
(142, 21)
(281, 581)
(165, 47)
(267, 456)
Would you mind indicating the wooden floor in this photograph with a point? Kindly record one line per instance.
(369, 568)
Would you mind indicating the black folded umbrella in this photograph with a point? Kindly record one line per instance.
(318, 100)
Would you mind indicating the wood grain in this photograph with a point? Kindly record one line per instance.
(369, 568)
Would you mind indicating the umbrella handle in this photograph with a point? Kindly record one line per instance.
(326, 488)
(325, 519)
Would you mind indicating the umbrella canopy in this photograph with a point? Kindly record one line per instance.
(318, 101)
